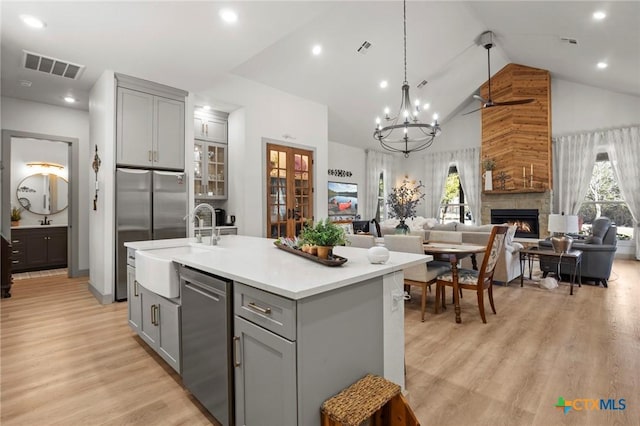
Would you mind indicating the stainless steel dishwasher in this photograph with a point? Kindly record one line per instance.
(207, 369)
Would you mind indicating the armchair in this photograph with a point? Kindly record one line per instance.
(598, 251)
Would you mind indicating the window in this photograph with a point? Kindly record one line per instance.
(380, 210)
(453, 208)
(603, 198)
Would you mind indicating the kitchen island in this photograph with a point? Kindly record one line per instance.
(323, 327)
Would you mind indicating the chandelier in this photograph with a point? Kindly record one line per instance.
(404, 132)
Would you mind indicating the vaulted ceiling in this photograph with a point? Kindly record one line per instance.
(186, 45)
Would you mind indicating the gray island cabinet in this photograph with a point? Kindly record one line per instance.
(302, 331)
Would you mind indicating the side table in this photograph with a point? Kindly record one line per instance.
(572, 258)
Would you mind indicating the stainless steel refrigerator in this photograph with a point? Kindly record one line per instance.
(150, 205)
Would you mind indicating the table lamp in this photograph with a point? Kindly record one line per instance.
(561, 224)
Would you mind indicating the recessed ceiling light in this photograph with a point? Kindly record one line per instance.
(317, 49)
(229, 16)
(426, 106)
(32, 21)
(599, 15)
(602, 65)
(69, 99)
(25, 83)
(384, 84)
(206, 107)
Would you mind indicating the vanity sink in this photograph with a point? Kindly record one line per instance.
(156, 272)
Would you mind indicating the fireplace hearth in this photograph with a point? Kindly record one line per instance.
(526, 220)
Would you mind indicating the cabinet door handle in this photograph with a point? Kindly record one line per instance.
(135, 288)
(15, 241)
(153, 314)
(15, 261)
(157, 309)
(150, 155)
(236, 350)
(206, 126)
(155, 156)
(266, 311)
(15, 251)
(203, 128)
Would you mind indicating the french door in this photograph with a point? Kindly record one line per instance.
(289, 190)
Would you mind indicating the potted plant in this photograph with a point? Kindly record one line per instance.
(488, 164)
(324, 235)
(16, 215)
(402, 202)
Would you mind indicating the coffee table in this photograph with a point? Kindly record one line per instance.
(572, 258)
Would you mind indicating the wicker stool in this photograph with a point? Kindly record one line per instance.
(371, 397)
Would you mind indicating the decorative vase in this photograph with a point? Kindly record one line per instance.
(378, 254)
(324, 252)
(15, 223)
(488, 180)
(402, 227)
(313, 250)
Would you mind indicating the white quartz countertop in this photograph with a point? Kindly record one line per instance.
(259, 263)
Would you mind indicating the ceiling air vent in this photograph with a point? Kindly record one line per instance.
(37, 62)
(364, 47)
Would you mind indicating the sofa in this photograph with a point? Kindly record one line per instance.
(508, 267)
(598, 251)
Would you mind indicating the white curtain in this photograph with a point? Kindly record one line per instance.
(624, 153)
(574, 157)
(435, 172)
(376, 163)
(468, 164)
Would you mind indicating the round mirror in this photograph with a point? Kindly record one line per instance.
(43, 193)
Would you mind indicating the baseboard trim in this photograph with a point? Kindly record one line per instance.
(103, 299)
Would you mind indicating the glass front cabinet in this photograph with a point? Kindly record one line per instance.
(210, 170)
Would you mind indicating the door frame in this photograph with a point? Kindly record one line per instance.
(265, 207)
(73, 242)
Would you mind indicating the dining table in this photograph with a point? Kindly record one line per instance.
(453, 253)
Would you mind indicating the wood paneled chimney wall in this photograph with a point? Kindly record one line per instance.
(518, 138)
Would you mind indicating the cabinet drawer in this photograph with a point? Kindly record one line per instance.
(275, 313)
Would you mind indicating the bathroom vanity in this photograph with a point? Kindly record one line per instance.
(37, 247)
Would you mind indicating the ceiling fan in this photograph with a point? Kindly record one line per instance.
(486, 40)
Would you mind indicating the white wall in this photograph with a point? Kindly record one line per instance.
(345, 157)
(102, 235)
(268, 114)
(24, 150)
(577, 108)
(34, 117)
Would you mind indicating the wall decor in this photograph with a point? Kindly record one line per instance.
(339, 173)
(96, 166)
(343, 200)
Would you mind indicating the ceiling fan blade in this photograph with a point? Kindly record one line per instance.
(475, 110)
(516, 102)
(480, 98)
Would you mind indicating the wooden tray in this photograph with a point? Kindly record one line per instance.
(334, 260)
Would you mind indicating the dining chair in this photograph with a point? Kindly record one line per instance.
(421, 275)
(362, 241)
(480, 280)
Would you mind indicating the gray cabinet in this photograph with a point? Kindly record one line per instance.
(265, 376)
(210, 170)
(291, 355)
(134, 302)
(149, 126)
(210, 127)
(159, 325)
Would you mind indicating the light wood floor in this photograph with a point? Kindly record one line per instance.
(67, 360)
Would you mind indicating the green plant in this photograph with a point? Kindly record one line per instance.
(489, 164)
(323, 233)
(402, 201)
(16, 214)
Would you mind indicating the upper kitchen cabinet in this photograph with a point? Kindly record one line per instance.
(149, 125)
(210, 125)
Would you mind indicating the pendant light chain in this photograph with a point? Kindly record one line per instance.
(404, 4)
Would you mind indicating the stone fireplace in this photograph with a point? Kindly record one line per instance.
(540, 201)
